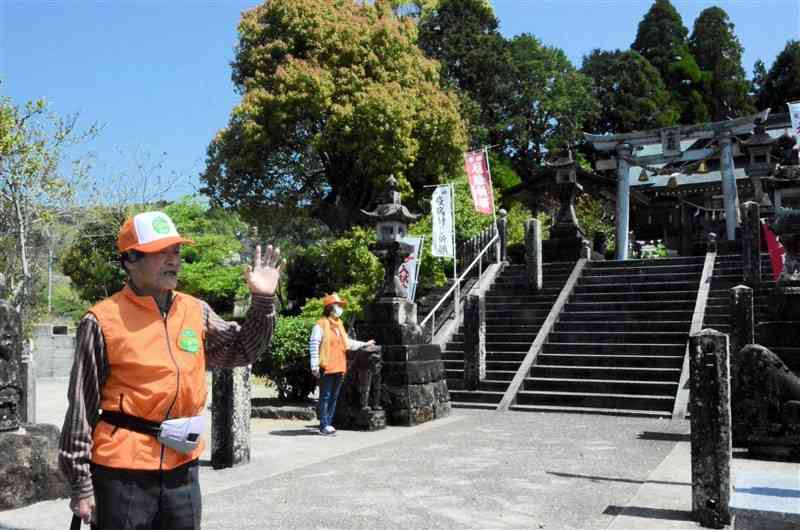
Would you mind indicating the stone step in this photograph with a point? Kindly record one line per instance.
(614, 348)
(509, 327)
(472, 405)
(659, 326)
(653, 269)
(492, 385)
(625, 288)
(597, 400)
(532, 312)
(611, 264)
(624, 316)
(493, 306)
(606, 372)
(475, 396)
(644, 278)
(601, 386)
(664, 305)
(647, 296)
(611, 361)
(562, 409)
(611, 337)
(510, 337)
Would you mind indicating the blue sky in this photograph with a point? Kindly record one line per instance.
(155, 74)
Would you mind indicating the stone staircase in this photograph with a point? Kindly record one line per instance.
(620, 341)
(513, 318)
(727, 274)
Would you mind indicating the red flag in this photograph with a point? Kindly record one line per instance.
(775, 250)
(480, 181)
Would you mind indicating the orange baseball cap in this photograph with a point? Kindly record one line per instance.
(333, 299)
(149, 232)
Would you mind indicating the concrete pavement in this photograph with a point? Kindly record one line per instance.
(475, 469)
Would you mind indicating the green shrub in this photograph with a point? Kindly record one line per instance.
(287, 363)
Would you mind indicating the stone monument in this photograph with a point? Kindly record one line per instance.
(567, 239)
(414, 389)
(359, 406)
(28, 452)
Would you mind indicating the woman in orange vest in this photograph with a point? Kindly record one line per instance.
(328, 348)
(141, 356)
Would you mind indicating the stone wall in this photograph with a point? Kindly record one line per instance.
(53, 353)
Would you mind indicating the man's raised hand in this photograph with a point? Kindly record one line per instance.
(263, 276)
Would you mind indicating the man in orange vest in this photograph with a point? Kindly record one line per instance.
(132, 434)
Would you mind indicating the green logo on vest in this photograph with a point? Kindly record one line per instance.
(189, 341)
(160, 226)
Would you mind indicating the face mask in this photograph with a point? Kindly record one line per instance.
(337, 311)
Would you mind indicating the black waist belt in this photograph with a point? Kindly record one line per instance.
(132, 423)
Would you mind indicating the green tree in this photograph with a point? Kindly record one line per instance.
(463, 36)
(630, 93)
(336, 95)
(719, 53)
(661, 39)
(35, 191)
(782, 82)
(546, 106)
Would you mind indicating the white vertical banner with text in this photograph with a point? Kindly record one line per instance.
(794, 115)
(443, 240)
(408, 272)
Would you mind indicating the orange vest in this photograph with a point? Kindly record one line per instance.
(157, 371)
(333, 350)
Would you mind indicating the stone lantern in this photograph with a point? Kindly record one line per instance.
(566, 237)
(413, 382)
(391, 219)
(759, 147)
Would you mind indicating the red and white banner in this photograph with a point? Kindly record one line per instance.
(775, 250)
(480, 181)
(794, 115)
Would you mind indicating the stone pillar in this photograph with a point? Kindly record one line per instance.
(10, 356)
(710, 409)
(751, 244)
(27, 409)
(729, 191)
(502, 232)
(230, 417)
(623, 200)
(711, 243)
(474, 342)
(742, 321)
(533, 253)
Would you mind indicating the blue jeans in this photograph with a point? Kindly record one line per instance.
(329, 387)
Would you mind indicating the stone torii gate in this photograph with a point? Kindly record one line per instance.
(624, 145)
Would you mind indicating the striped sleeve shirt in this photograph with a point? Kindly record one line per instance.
(227, 345)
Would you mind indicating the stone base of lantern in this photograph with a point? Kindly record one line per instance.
(414, 385)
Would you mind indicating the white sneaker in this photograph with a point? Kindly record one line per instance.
(328, 430)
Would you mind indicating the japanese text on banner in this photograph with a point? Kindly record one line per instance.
(480, 182)
(408, 271)
(442, 243)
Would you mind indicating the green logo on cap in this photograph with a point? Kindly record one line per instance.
(189, 341)
(160, 225)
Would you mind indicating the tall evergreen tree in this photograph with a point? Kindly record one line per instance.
(782, 82)
(661, 39)
(719, 54)
(630, 93)
(463, 36)
(547, 104)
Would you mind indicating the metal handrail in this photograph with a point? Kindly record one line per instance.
(456, 288)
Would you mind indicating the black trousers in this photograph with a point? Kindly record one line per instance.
(147, 500)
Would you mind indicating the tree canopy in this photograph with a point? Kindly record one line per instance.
(782, 82)
(547, 103)
(661, 39)
(335, 97)
(719, 54)
(463, 36)
(629, 92)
